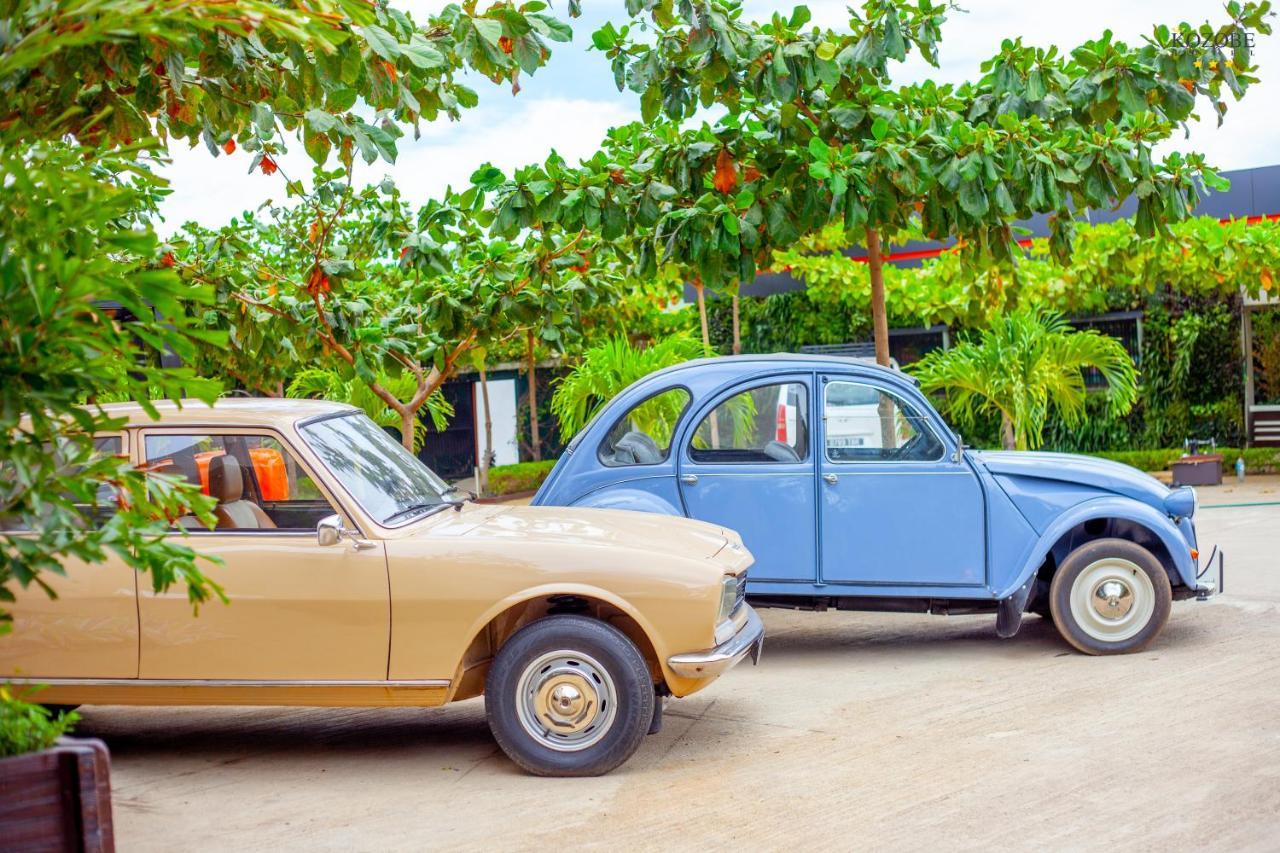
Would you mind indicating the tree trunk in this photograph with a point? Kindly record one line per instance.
(706, 345)
(482, 483)
(534, 436)
(879, 317)
(1008, 438)
(737, 327)
(880, 328)
(702, 314)
(407, 417)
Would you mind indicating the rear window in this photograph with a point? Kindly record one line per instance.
(643, 435)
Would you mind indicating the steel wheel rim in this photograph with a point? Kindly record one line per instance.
(1112, 600)
(566, 700)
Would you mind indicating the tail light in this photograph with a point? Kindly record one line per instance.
(782, 423)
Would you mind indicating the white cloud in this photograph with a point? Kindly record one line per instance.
(509, 133)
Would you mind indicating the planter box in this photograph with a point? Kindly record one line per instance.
(1202, 470)
(58, 799)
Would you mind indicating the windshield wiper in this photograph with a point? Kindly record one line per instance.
(457, 504)
(414, 508)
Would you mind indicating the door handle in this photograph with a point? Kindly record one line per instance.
(830, 479)
(689, 479)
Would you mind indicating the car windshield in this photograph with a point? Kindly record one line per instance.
(386, 480)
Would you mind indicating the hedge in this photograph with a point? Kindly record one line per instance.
(521, 477)
(1257, 460)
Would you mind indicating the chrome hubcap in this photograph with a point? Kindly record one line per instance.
(566, 701)
(1112, 600)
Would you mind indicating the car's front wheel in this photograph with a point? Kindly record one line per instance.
(1110, 596)
(569, 696)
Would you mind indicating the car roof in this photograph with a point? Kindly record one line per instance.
(812, 360)
(228, 411)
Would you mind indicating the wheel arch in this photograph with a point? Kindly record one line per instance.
(1104, 518)
(511, 614)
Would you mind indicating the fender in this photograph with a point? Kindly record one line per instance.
(584, 590)
(608, 497)
(1113, 506)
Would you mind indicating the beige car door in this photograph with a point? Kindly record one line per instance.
(91, 629)
(298, 611)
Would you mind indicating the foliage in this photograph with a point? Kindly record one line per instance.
(340, 75)
(520, 477)
(355, 281)
(1023, 366)
(28, 727)
(1257, 460)
(607, 368)
(815, 134)
(1111, 267)
(321, 384)
(1266, 356)
(69, 248)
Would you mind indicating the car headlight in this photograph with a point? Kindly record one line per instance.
(1181, 502)
(731, 589)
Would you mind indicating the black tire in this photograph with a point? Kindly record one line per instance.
(1090, 638)
(594, 642)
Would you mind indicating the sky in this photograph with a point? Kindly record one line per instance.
(570, 104)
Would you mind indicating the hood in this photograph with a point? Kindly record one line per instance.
(610, 528)
(1071, 468)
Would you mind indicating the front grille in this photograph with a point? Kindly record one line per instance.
(741, 595)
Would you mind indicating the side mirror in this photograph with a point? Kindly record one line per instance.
(329, 530)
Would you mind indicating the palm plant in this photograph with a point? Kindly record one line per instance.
(611, 366)
(319, 383)
(1023, 366)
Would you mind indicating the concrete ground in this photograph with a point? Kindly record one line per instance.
(857, 730)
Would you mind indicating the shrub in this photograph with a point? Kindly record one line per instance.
(521, 477)
(27, 727)
(1257, 460)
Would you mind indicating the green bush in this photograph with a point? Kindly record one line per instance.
(521, 477)
(1257, 460)
(27, 727)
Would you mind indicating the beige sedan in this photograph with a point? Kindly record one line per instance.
(358, 577)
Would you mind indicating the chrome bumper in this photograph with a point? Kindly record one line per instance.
(748, 641)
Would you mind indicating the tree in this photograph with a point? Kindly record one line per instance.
(357, 282)
(609, 367)
(90, 91)
(814, 133)
(1022, 367)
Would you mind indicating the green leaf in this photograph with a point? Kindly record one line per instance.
(489, 30)
(879, 128)
(973, 199)
(380, 41)
(422, 54)
(826, 51)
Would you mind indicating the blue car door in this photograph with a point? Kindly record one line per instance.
(748, 464)
(896, 508)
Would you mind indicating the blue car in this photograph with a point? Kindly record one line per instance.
(853, 493)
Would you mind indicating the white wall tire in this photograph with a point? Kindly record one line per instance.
(1110, 596)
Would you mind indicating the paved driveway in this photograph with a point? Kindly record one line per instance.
(868, 730)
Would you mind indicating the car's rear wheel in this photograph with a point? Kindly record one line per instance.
(569, 696)
(1110, 596)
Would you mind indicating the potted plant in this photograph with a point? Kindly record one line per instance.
(55, 791)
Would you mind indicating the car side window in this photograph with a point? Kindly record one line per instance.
(643, 435)
(766, 424)
(257, 481)
(862, 423)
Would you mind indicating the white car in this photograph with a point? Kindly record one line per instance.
(851, 412)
